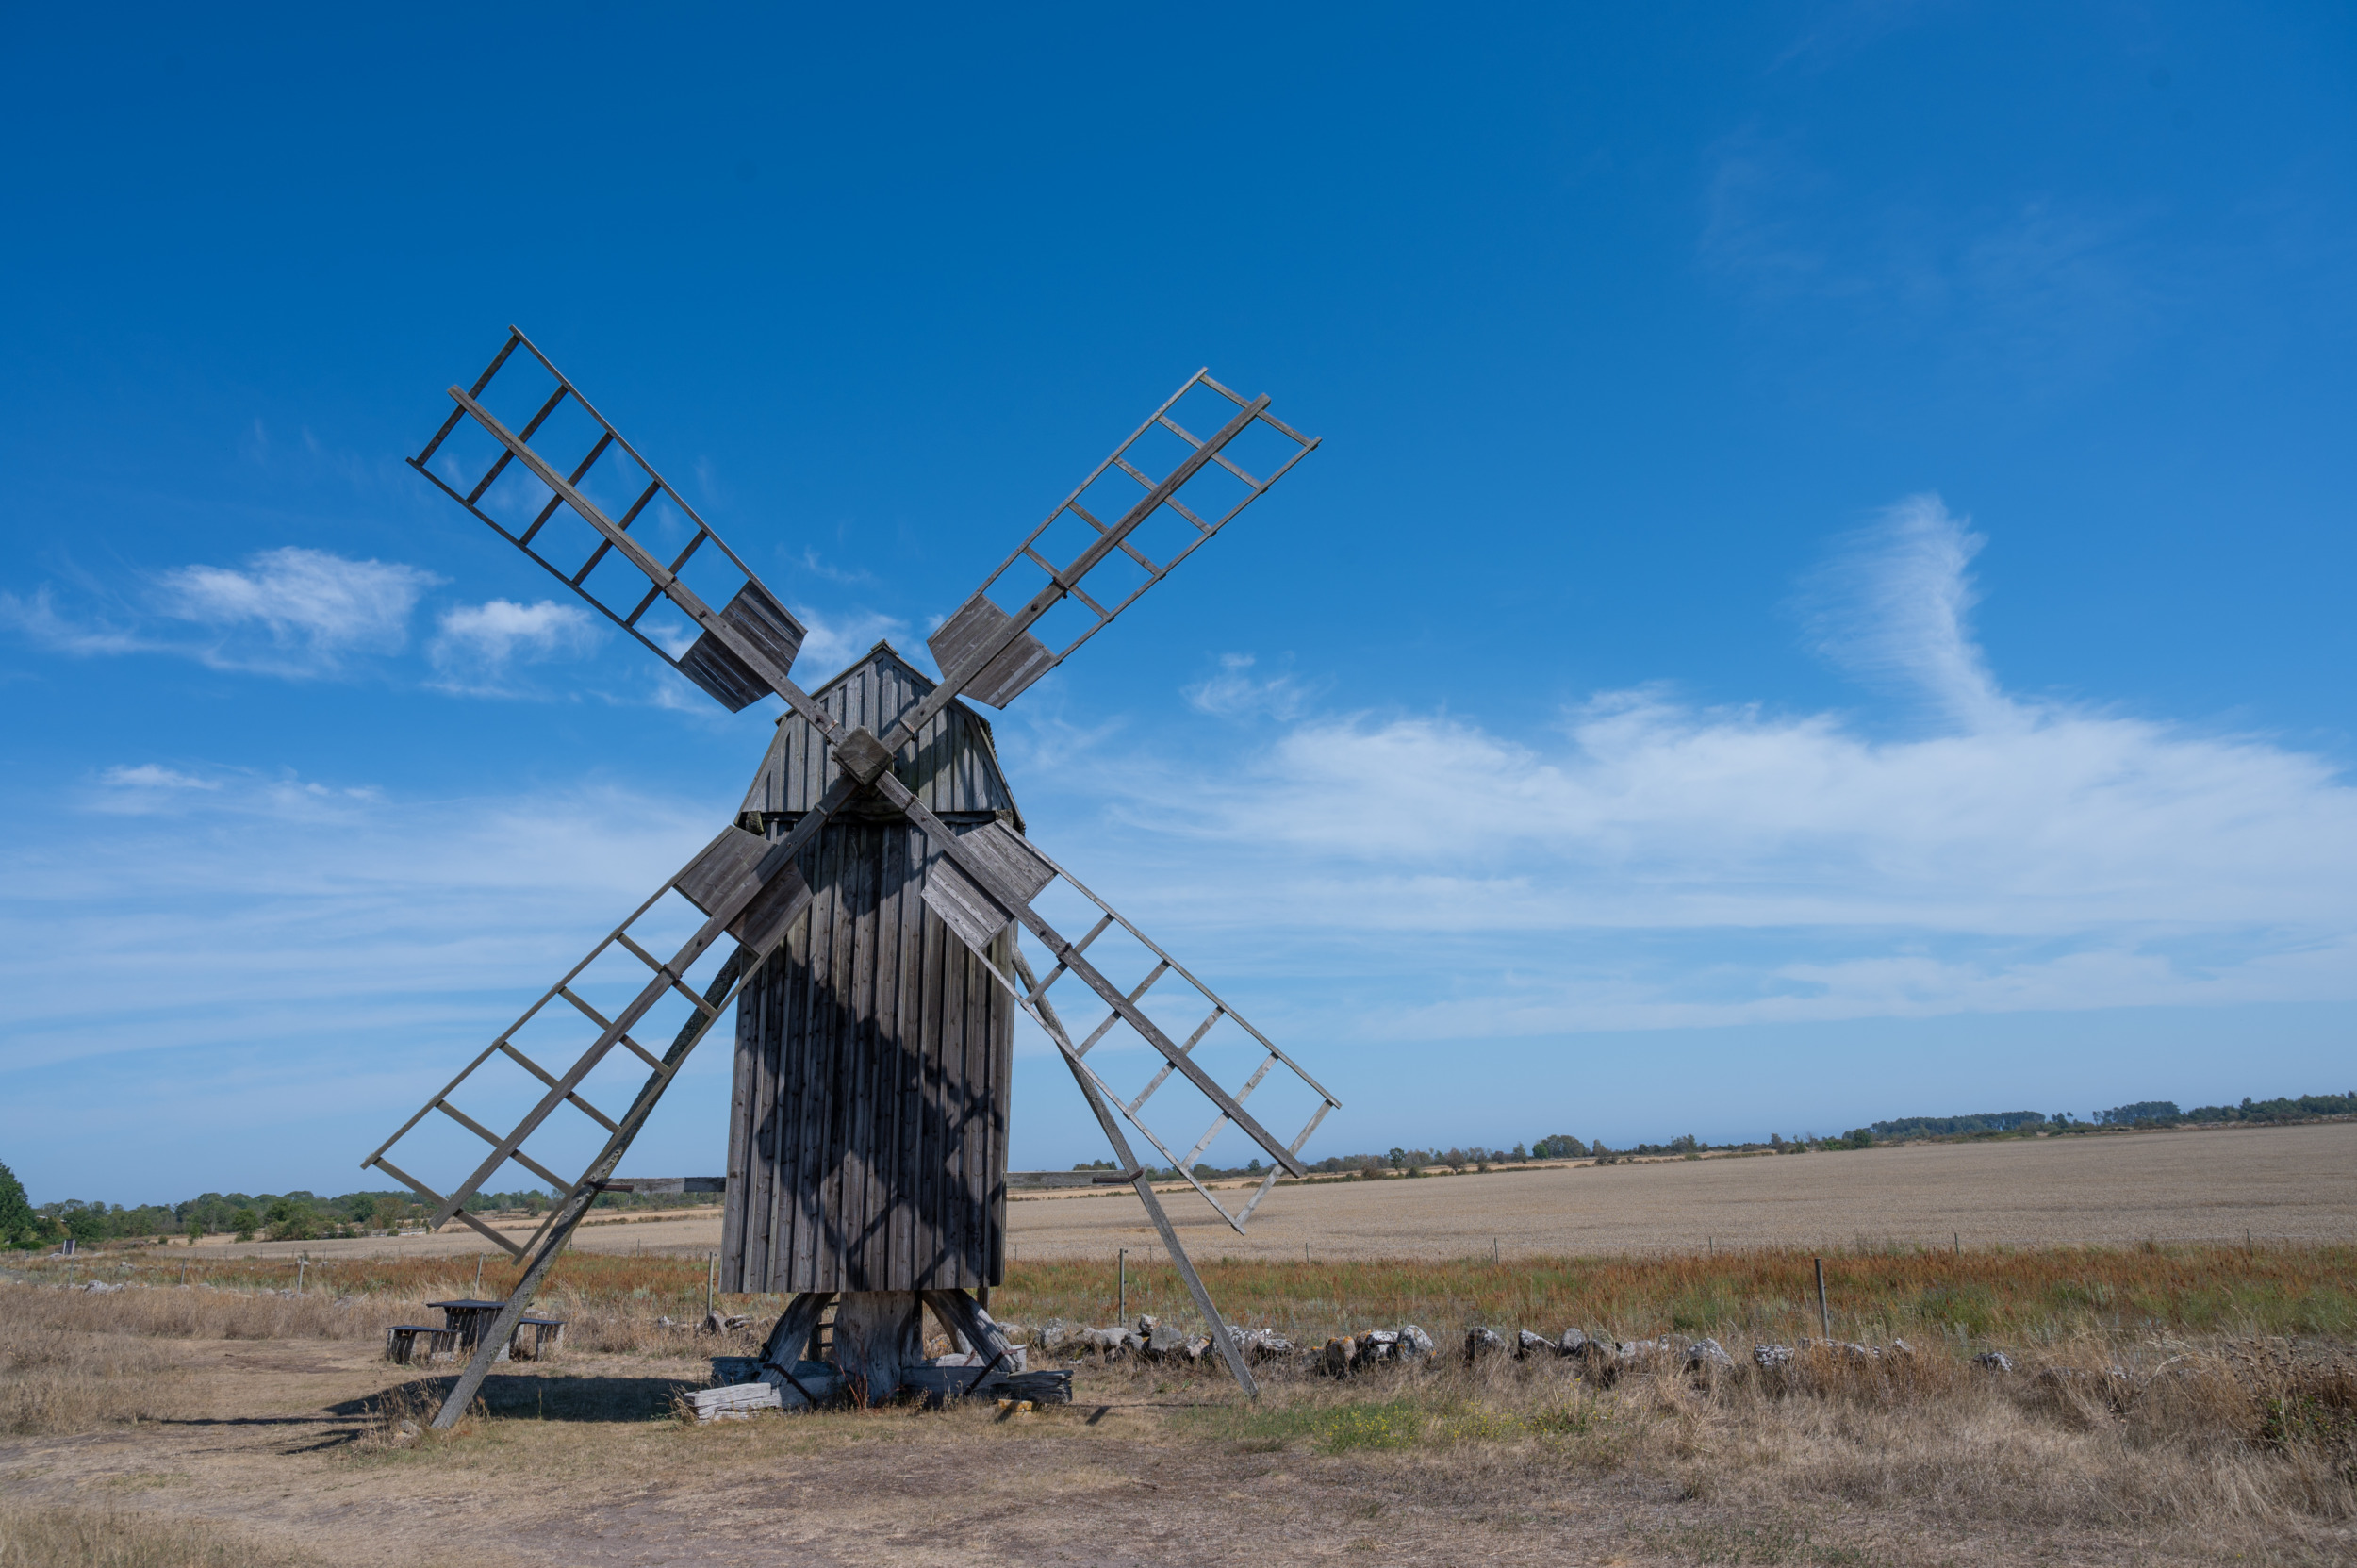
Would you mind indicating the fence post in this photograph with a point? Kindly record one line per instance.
(1824, 1314)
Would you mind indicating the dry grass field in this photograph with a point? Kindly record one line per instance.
(2289, 1183)
(2173, 1402)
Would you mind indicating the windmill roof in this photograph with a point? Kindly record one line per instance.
(953, 764)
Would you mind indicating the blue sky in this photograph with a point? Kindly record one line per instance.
(1824, 595)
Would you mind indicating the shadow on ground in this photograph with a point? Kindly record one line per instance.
(547, 1397)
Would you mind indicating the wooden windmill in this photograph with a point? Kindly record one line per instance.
(868, 910)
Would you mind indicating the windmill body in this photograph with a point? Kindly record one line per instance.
(867, 1123)
(867, 911)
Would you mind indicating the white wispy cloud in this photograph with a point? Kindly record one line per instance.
(291, 612)
(148, 775)
(1651, 862)
(1236, 692)
(35, 618)
(836, 641)
(153, 790)
(230, 904)
(316, 609)
(476, 648)
(1895, 603)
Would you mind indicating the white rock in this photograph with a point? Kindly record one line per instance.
(1708, 1353)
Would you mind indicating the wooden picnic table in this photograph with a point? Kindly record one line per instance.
(473, 1319)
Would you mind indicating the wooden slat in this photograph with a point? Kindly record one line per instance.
(934, 1196)
(493, 1138)
(1218, 1012)
(904, 850)
(499, 464)
(861, 1179)
(733, 1207)
(1082, 946)
(604, 1023)
(407, 1180)
(476, 391)
(541, 1073)
(581, 471)
(795, 1110)
(642, 954)
(494, 1236)
(821, 1199)
(991, 1264)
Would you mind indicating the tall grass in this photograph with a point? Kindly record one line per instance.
(57, 1380)
(2001, 1296)
(2198, 1436)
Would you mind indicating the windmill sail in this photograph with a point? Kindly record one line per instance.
(1121, 531)
(723, 884)
(522, 491)
(979, 921)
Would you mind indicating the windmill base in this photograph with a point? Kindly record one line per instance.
(877, 1343)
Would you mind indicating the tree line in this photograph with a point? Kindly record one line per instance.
(298, 1215)
(1984, 1124)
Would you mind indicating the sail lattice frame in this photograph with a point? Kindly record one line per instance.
(1030, 990)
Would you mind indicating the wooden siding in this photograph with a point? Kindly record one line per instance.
(867, 1131)
(950, 765)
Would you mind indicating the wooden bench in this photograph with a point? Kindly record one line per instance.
(401, 1343)
(546, 1334)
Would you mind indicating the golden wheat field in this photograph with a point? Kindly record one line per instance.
(2281, 1183)
(2288, 1182)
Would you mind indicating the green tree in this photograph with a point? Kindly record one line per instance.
(194, 1230)
(243, 1222)
(16, 1211)
(293, 1222)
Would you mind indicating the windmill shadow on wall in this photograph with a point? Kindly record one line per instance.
(877, 891)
